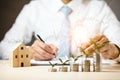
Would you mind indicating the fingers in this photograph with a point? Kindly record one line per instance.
(98, 37)
(55, 49)
(105, 48)
(102, 46)
(101, 41)
(89, 50)
(90, 47)
(105, 51)
(44, 46)
(37, 56)
(43, 51)
(40, 54)
(95, 39)
(85, 45)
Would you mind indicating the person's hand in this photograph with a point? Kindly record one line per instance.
(43, 51)
(109, 51)
(90, 46)
(98, 43)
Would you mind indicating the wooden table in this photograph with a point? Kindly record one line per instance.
(109, 72)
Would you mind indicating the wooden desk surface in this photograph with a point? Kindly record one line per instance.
(109, 72)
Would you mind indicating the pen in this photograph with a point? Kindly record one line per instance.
(40, 38)
(43, 41)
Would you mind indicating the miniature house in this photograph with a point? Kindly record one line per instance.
(21, 56)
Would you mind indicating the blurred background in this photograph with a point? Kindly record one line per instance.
(9, 9)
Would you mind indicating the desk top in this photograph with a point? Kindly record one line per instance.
(109, 72)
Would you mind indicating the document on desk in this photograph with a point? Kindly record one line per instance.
(34, 62)
(56, 60)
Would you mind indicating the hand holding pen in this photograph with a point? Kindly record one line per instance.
(40, 38)
(43, 51)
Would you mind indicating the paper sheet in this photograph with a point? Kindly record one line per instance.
(56, 60)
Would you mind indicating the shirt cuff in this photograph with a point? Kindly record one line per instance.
(118, 58)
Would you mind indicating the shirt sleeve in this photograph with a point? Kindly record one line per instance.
(21, 32)
(110, 26)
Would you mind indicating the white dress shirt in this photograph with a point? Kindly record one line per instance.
(43, 17)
